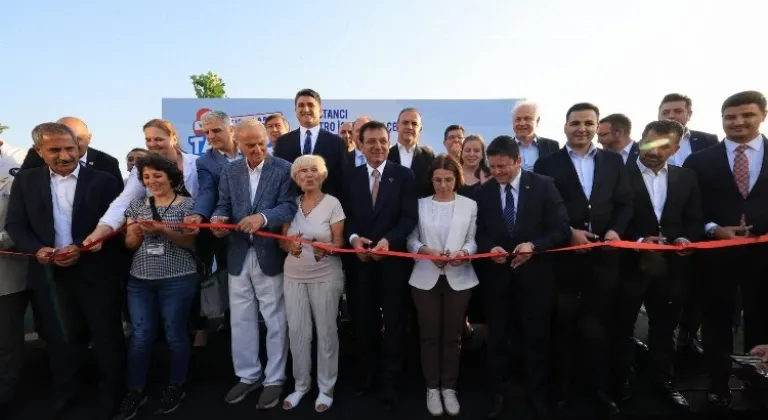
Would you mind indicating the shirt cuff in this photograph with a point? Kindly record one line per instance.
(266, 222)
(709, 228)
(352, 238)
(113, 224)
(640, 240)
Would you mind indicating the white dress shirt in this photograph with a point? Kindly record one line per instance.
(515, 192)
(254, 175)
(626, 151)
(684, 151)
(314, 131)
(360, 159)
(585, 168)
(134, 188)
(63, 199)
(406, 155)
(529, 153)
(656, 185)
(370, 168)
(84, 159)
(754, 153)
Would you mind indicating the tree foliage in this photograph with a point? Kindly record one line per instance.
(3, 128)
(208, 85)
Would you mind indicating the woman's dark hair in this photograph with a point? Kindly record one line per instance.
(483, 165)
(162, 164)
(448, 163)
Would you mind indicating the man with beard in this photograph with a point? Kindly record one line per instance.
(667, 210)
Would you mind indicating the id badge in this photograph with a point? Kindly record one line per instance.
(156, 249)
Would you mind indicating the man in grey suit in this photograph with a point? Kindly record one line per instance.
(13, 298)
(256, 193)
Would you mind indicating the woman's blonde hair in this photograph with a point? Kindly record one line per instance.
(308, 161)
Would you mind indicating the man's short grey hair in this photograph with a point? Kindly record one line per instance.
(49, 129)
(526, 103)
(250, 123)
(219, 116)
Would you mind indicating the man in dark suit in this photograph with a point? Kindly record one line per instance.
(52, 209)
(407, 151)
(614, 133)
(519, 212)
(678, 107)
(381, 208)
(310, 139)
(525, 121)
(733, 177)
(90, 157)
(594, 186)
(667, 210)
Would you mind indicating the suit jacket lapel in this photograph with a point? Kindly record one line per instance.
(46, 198)
(638, 185)
(83, 181)
(598, 173)
(394, 154)
(673, 187)
(523, 195)
(458, 221)
(497, 212)
(763, 177)
(385, 187)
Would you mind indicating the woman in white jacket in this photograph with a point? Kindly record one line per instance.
(441, 290)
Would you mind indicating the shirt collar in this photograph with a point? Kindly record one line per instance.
(645, 169)
(371, 168)
(403, 148)
(74, 173)
(628, 148)
(314, 130)
(238, 153)
(590, 153)
(84, 159)
(258, 167)
(756, 144)
(515, 182)
(535, 141)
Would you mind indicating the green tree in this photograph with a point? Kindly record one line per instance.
(3, 128)
(208, 85)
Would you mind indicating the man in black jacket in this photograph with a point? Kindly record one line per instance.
(89, 157)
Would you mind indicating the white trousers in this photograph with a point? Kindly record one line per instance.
(304, 302)
(252, 292)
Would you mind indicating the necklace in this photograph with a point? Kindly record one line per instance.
(307, 212)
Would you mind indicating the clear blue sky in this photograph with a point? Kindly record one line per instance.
(110, 63)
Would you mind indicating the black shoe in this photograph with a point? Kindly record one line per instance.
(171, 399)
(719, 399)
(497, 407)
(671, 395)
(130, 405)
(605, 403)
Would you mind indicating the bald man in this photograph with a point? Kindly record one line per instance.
(90, 157)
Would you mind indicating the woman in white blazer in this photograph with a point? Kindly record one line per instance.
(440, 290)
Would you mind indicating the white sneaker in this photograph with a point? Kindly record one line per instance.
(451, 402)
(434, 404)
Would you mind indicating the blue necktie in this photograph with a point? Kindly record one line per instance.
(509, 208)
(307, 144)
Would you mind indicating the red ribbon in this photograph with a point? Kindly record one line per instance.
(639, 246)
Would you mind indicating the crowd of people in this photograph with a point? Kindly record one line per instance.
(107, 251)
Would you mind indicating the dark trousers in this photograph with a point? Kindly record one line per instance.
(73, 310)
(695, 295)
(663, 293)
(380, 296)
(12, 309)
(586, 292)
(519, 308)
(441, 320)
(729, 268)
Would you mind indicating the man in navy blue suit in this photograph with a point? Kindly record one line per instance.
(310, 139)
(380, 203)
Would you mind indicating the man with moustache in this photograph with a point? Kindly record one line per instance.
(256, 193)
(407, 151)
(525, 121)
(381, 207)
(51, 211)
(276, 126)
(346, 132)
(679, 108)
(310, 139)
(519, 212)
(734, 196)
(453, 140)
(597, 195)
(667, 210)
(614, 133)
(90, 157)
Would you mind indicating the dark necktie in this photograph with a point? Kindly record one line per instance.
(307, 144)
(509, 208)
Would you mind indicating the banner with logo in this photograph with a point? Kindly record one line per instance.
(487, 117)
